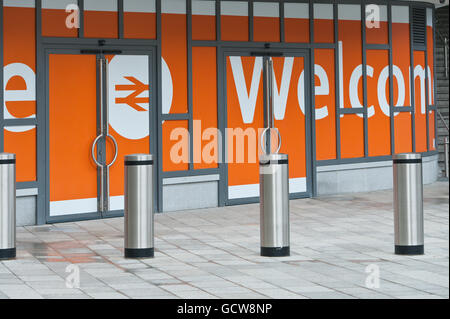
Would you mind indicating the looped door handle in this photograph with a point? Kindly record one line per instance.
(116, 150)
(263, 139)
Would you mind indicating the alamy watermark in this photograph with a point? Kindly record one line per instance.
(373, 17)
(243, 145)
(73, 279)
(73, 17)
(373, 277)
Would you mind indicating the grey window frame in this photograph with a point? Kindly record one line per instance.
(41, 42)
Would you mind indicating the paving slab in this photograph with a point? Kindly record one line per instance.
(336, 244)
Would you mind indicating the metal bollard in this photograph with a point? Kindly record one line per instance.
(7, 206)
(408, 204)
(274, 205)
(139, 206)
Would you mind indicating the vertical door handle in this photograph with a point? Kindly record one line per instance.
(116, 150)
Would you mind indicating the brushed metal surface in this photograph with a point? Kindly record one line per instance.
(139, 203)
(7, 202)
(408, 201)
(274, 202)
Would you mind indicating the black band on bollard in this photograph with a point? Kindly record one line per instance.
(274, 162)
(7, 253)
(8, 161)
(137, 163)
(139, 252)
(275, 251)
(408, 161)
(409, 250)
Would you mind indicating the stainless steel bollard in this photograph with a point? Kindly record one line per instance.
(139, 206)
(7, 206)
(274, 205)
(408, 204)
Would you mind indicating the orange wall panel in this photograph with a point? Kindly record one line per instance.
(19, 62)
(234, 28)
(325, 126)
(420, 101)
(352, 136)
(296, 30)
(175, 147)
(323, 31)
(352, 130)
(101, 24)
(378, 35)
(23, 144)
(266, 29)
(139, 25)
(379, 127)
(174, 52)
(203, 27)
(19, 56)
(204, 86)
(402, 60)
(403, 132)
(54, 24)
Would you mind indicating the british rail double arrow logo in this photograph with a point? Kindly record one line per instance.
(132, 100)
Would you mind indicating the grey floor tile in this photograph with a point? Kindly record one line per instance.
(214, 253)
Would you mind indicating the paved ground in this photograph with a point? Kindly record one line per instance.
(214, 253)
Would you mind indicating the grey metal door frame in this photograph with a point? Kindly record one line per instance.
(223, 53)
(43, 209)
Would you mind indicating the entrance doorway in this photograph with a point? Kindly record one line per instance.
(99, 109)
(246, 116)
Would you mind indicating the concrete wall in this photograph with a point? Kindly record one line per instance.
(26, 207)
(366, 177)
(190, 192)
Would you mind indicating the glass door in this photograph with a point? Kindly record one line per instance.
(98, 111)
(247, 117)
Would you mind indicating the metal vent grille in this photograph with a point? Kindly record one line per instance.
(419, 22)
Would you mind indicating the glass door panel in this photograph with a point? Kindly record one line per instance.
(129, 115)
(72, 128)
(246, 119)
(99, 111)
